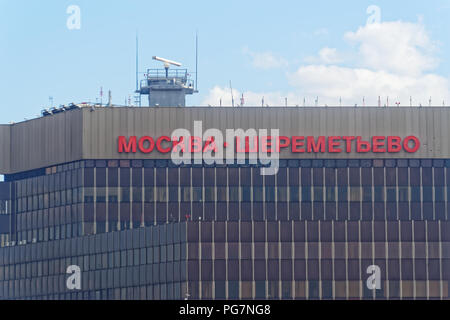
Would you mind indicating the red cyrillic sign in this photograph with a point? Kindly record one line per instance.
(295, 144)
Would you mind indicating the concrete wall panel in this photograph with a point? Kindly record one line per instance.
(93, 134)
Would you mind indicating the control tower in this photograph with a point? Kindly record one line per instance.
(166, 87)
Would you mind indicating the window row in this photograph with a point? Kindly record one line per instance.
(319, 250)
(338, 269)
(96, 280)
(257, 194)
(74, 221)
(112, 260)
(156, 236)
(49, 200)
(248, 290)
(169, 291)
(197, 177)
(300, 232)
(49, 183)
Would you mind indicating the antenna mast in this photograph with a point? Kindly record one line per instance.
(138, 93)
(196, 61)
(137, 62)
(232, 97)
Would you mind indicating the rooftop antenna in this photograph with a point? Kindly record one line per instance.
(51, 101)
(430, 102)
(232, 97)
(138, 93)
(167, 64)
(137, 62)
(196, 61)
(410, 101)
(340, 101)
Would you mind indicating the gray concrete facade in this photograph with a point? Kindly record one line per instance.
(92, 133)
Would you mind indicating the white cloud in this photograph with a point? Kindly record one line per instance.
(331, 83)
(392, 59)
(265, 60)
(399, 47)
(326, 56)
(251, 99)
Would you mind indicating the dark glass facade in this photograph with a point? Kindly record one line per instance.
(146, 229)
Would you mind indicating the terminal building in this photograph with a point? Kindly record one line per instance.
(355, 190)
(299, 203)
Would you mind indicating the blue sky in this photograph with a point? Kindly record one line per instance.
(271, 49)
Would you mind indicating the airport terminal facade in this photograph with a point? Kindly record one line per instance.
(355, 187)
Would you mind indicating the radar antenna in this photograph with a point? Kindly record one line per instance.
(167, 64)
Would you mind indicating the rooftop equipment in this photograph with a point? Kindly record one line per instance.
(166, 87)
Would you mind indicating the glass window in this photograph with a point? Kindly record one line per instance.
(186, 194)
(270, 193)
(306, 194)
(88, 196)
(68, 198)
(246, 194)
(342, 176)
(88, 178)
(439, 194)
(209, 194)
(282, 194)
(113, 195)
(439, 178)
(427, 194)
(330, 194)
(330, 163)
(391, 194)
(415, 194)
(330, 177)
(258, 194)
(161, 194)
(355, 194)
(403, 176)
(403, 194)
(137, 194)
(101, 194)
(173, 194)
(379, 194)
(305, 176)
(341, 163)
(343, 194)
(294, 194)
(125, 194)
(221, 194)
(318, 194)
(415, 176)
(197, 194)
(367, 194)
